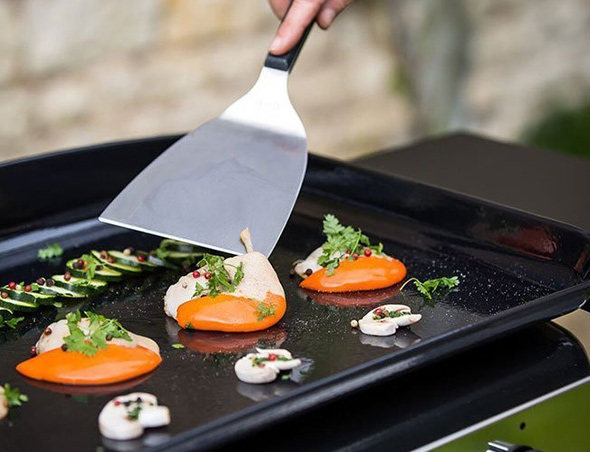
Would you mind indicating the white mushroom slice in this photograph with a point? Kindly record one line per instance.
(266, 371)
(3, 404)
(60, 329)
(126, 417)
(310, 262)
(387, 325)
(259, 279)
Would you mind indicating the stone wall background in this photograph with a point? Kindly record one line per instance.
(76, 72)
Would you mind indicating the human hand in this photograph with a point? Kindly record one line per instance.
(301, 14)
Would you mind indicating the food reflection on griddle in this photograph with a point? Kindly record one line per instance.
(92, 391)
(219, 342)
(400, 340)
(350, 299)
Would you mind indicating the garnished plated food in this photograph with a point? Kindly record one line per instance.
(385, 320)
(89, 350)
(237, 294)
(348, 262)
(126, 417)
(265, 365)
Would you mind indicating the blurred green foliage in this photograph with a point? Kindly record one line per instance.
(565, 130)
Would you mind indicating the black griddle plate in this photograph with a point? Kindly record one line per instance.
(515, 269)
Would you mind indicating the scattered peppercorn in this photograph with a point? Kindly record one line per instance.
(116, 403)
(11, 285)
(50, 282)
(368, 252)
(355, 256)
(41, 281)
(47, 331)
(128, 251)
(4, 294)
(19, 287)
(141, 258)
(64, 347)
(28, 288)
(33, 350)
(308, 272)
(207, 275)
(109, 337)
(354, 323)
(272, 357)
(98, 268)
(67, 276)
(196, 274)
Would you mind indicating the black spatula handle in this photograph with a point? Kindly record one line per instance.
(286, 61)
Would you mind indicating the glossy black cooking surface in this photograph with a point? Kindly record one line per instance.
(504, 274)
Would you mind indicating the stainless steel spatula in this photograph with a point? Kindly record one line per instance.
(242, 169)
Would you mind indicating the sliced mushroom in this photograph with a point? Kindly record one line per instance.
(387, 325)
(126, 417)
(248, 371)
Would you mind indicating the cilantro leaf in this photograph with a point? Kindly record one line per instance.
(10, 323)
(341, 242)
(430, 286)
(50, 251)
(265, 310)
(178, 346)
(14, 396)
(95, 335)
(220, 279)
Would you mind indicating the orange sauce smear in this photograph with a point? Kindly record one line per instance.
(364, 273)
(229, 313)
(111, 365)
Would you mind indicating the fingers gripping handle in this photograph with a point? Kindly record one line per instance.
(286, 61)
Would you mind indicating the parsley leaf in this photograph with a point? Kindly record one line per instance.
(265, 310)
(93, 337)
(429, 287)
(10, 323)
(342, 241)
(178, 346)
(13, 396)
(51, 251)
(133, 413)
(91, 264)
(220, 280)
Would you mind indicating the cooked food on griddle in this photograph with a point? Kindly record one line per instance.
(385, 320)
(237, 294)
(89, 350)
(126, 417)
(348, 262)
(265, 365)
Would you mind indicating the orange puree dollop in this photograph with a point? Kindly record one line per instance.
(110, 365)
(230, 313)
(363, 273)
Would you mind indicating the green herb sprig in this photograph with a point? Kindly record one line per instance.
(50, 251)
(178, 346)
(220, 280)
(10, 323)
(429, 287)
(265, 310)
(14, 396)
(99, 328)
(342, 240)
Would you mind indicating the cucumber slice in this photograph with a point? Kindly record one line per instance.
(132, 260)
(175, 245)
(158, 262)
(86, 286)
(122, 268)
(105, 274)
(31, 297)
(17, 305)
(179, 257)
(62, 292)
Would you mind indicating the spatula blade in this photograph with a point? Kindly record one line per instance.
(214, 182)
